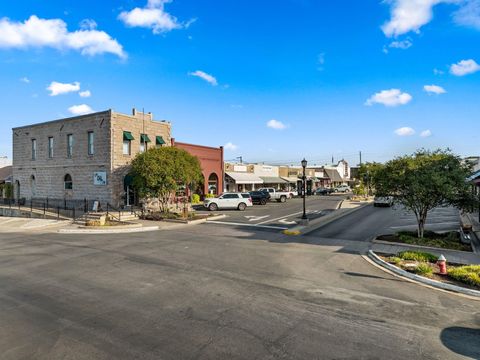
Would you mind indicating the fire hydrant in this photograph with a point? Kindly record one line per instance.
(442, 264)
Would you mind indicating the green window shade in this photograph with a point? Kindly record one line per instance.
(127, 135)
(160, 140)
(144, 138)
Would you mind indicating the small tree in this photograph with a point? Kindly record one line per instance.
(160, 172)
(424, 181)
(367, 173)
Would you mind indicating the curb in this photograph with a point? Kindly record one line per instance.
(383, 242)
(325, 220)
(421, 279)
(216, 217)
(109, 231)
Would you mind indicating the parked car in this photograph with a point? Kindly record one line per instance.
(280, 196)
(323, 191)
(343, 188)
(382, 201)
(260, 197)
(238, 201)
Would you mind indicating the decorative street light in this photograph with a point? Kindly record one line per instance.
(304, 190)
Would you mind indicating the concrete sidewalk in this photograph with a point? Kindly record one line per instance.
(453, 256)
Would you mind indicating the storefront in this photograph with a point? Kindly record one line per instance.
(242, 182)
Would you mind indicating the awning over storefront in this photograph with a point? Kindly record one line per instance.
(244, 178)
(291, 179)
(334, 175)
(127, 135)
(160, 140)
(144, 138)
(273, 180)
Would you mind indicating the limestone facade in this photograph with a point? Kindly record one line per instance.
(97, 168)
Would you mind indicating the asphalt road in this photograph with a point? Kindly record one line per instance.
(368, 222)
(279, 216)
(218, 292)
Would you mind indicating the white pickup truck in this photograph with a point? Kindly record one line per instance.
(280, 196)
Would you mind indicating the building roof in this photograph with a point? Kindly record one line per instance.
(244, 178)
(273, 180)
(474, 176)
(5, 173)
(333, 174)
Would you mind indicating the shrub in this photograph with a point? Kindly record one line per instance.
(195, 199)
(417, 256)
(469, 274)
(395, 260)
(209, 196)
(423, 269)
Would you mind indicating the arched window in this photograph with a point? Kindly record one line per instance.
(33, 185)
(67, 180)
(213, 184)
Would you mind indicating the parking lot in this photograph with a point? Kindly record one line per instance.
(280, 216)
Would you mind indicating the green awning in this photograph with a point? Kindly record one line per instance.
(127, 135)
(144, 138)
(160, 140)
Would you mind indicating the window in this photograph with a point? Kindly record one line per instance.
(69, 145)
(245, 196)
(127, 142)
(50, 147)
(230, 196)
(127, 148)
(91, 138)
(159, 141)
(144, 140)
(33, 185)
(68, 183)
(34, 149)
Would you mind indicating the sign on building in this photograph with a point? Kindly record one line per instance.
(100, 178)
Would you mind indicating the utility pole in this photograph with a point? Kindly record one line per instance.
(360, 158)
(241, 159)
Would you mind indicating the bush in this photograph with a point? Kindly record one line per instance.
(209, 196)
(450, 240)
(469, 274)
(195, 199)
(417, 256)
(395, 260)
(423, 269)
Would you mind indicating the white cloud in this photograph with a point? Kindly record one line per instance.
(464, 67)
(203, 75)
(53, 33)
(80, 109)
(434, 89)
(321, 61)
(88, 24)
(438, 72)
(230, 146)
(25, 80)
(57, 88)
(392, 97)
(153, 16)
(404, 44)
(85, 93)
(275, 124)
(468, 14)
(426, 133)
(405, 131)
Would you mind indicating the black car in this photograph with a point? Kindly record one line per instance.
(259, 197)
(323, 191)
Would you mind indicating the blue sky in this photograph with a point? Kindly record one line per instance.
(273, 80)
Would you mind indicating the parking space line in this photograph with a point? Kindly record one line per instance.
(249, 225)
(280, 218)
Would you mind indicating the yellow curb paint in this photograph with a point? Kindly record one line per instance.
(291, 232)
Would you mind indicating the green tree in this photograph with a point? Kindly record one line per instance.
(425, 180)
(367, 174)
(160, 172)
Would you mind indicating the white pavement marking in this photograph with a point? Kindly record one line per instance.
(282, 217)
(249, 225)
(286, 222)
(256, 218)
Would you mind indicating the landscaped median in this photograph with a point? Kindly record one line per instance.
(345, 207)
(423, 267)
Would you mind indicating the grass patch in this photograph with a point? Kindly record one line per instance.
(450, 240)
(423, 269)
(395, 260)
(417, 256)
(469, 274)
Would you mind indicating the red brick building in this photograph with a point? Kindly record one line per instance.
(211, 161)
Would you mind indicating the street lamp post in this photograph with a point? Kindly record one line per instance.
(304, 190)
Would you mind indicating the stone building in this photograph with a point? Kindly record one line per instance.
(83, 157)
